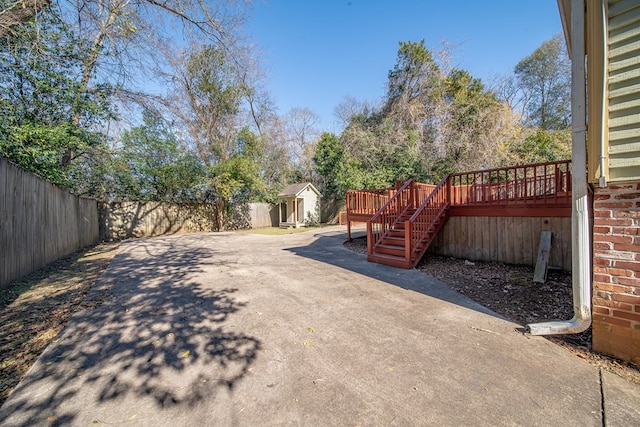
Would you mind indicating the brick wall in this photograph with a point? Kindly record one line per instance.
(616, 271)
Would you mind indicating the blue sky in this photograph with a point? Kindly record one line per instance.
(316, 52)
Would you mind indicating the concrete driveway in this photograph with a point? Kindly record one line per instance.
(237, 329)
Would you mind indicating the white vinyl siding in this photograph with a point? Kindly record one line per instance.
(624, 90)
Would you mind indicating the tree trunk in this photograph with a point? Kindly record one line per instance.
(220, 210)
(88, 68)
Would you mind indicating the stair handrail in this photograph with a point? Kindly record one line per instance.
(384, 218)
(417, 227)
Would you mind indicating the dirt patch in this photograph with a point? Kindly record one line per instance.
(34, 310)
(509, 291)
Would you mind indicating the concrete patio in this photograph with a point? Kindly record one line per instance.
(242, 329)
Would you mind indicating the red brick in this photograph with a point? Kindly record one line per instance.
(601, 302)
(616, 222)
(602, 230)
(630, 283)
(613, 205)
(602, 262)
(602, 197)
(624, 334)
(613, 255)
(602, 295)
(629, 265)
(602, 246)
(627, 214)
(619, 272)
(626, 248)
(612, 238)
(601, 310)
(627, 231)
(613, 320)
(600, 344)
(631, 299)
(626, 315)
(620, 347)
(627, 196)
(612, 304)
(602, 213)
(613, 288)
(620, 187)
(600, 328)
(602, 278)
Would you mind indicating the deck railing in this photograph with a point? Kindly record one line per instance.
(422, 191)
(363, 202)
(505, 191)
(542, 183)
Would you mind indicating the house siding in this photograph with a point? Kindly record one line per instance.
(305, 198)
(311, 207)
(616, 271)
(624, 86)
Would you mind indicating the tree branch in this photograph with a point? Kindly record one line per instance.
(19, 13)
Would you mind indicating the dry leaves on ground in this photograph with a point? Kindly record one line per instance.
(34, 309)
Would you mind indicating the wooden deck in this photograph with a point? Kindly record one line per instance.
(402, 221)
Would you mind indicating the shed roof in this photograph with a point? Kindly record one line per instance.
(294, 190)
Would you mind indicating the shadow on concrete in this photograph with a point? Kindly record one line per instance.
(329, 248)
(148, 329)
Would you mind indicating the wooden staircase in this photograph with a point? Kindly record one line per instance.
(401, 231)
(402, 221)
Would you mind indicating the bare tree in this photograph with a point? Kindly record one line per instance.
(127, 37)
(302, 134)
(350, 107)
(545, 80)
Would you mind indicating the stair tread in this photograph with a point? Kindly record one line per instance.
(390, 250)
(394, 241)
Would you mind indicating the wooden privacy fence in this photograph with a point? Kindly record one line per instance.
(511, 240)
(123, 220)
(39, 223)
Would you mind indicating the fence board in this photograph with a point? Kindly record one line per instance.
(123, 220)
(39, 222)
(504, 239)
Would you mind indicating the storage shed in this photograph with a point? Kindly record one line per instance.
(298, 205)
